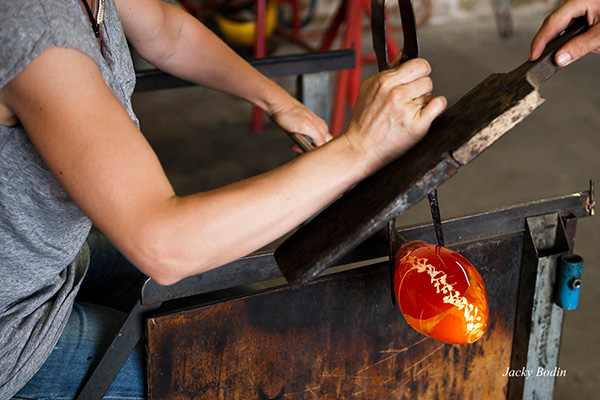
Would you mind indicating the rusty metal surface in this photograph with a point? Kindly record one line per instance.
(338, 338)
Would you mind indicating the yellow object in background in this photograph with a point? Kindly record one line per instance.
(242, 31)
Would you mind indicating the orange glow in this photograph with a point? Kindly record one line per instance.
(440, 293)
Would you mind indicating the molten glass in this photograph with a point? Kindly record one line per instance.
(440, 293)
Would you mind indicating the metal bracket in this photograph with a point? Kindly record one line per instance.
(538, 325)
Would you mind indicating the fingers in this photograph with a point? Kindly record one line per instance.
(397, 61)
(432, 109)
(419, 89)
(297, 118)
(548, 31)
(394, 110)
(407, 83)
(407, 75)
(407, 72)
(578, 47)
(317, 130)
(553, 25)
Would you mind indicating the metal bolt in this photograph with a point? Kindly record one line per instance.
(575, 283)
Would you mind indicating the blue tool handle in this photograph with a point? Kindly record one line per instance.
(568, 284)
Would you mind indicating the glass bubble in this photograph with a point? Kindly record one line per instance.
(440, 293)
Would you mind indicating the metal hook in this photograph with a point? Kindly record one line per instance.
(435, 215)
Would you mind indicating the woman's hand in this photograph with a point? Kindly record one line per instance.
(557, 21)
(393, 111)
(295, 117)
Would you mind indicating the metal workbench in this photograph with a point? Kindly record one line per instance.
(341, 337)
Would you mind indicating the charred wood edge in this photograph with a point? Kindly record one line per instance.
(365, 209)
(297, 64)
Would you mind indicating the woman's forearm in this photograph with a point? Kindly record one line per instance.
(193, 52)
(203, 231)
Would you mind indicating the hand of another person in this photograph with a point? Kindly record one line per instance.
(393, 111)
(557, 21)
(295, 117)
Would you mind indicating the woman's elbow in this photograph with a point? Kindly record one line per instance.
(164, 260)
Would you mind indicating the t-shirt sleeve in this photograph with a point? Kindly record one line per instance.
(28, 27)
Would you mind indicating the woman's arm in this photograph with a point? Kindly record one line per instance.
(177, 43)
(103, 161)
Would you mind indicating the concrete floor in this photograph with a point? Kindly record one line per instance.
(204, 141)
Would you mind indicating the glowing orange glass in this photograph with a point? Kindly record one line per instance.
(440, 293)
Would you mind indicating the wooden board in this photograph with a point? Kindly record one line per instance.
(456, 137)
(338, 338)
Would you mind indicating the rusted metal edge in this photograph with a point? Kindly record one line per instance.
(538, 321)
(458, 229)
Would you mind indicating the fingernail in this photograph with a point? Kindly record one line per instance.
(563, 58)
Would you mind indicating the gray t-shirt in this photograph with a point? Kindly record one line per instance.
(42, 231)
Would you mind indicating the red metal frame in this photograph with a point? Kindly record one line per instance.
(260, 47)
(259, 52)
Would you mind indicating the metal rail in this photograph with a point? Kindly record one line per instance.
(299, 64)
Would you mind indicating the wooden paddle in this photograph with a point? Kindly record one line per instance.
(455, 138)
